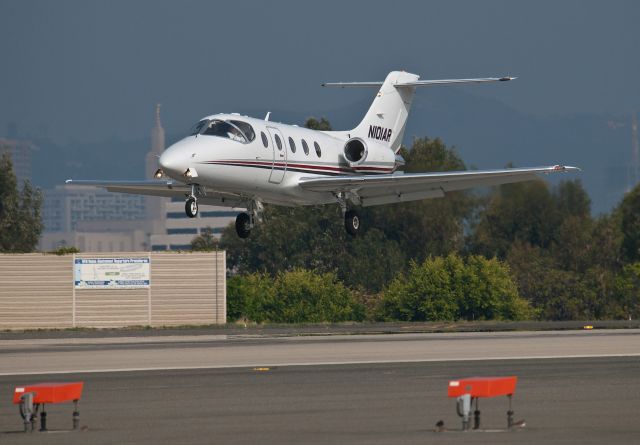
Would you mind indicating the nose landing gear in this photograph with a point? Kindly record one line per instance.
(191, 207)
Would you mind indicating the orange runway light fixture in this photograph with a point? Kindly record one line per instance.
(468, 391)
(33, 398)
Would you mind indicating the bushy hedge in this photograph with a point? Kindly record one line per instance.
(291, 297)
(453, 288)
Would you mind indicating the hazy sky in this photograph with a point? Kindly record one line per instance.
(94, 69)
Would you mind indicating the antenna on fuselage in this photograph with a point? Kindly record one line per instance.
(266, 118)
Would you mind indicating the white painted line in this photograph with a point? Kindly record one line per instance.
(328, 363)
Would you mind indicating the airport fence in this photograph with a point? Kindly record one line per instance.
(102, 290)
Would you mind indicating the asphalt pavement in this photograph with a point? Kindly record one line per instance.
(573, 388)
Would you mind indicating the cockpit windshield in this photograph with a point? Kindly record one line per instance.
(198, 126)
(231, 129)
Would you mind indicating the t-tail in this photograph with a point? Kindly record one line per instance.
(386, 119)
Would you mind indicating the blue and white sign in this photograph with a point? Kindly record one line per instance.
(111, 273)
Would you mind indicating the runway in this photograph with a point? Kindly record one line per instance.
(574, 387)
(70, 355)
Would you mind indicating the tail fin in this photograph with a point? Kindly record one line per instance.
(386, 119)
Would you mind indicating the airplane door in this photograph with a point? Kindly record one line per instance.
(279, 148)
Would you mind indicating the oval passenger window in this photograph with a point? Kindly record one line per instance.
(265, 141)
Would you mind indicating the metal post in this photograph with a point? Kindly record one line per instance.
(26, 410)
(463, 408)
(73, 294)
(149, 293)
(43, 419)
(509, 414)
(76, 415)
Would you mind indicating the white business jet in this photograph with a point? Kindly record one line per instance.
(238, 161)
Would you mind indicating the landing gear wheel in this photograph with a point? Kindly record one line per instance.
(243, 225)
(191, 207)
(352, 222)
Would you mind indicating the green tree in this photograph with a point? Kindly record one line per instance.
(315, 124)
(523, 211)
(432, 226)
(554, 292)
(628, 291)
(20, 211)
(629, 210)
(205, 242)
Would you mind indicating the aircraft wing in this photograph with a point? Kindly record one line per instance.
(386, 189)
(159, 187)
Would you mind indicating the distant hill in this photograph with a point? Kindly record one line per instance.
(485, 132)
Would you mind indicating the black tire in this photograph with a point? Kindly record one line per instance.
(352, 222)
(243, 225)
(191, 207)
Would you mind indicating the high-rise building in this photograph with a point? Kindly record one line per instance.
(20, 151)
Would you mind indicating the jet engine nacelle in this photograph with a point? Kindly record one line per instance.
(368, 156)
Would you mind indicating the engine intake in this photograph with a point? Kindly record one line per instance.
(355, 151)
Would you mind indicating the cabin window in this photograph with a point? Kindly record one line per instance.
(265, 141)
(278, 142)
(305, 147)
(292, 145)
(317, 147)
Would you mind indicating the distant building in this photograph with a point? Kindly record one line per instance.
(179, 230)
(20, 151)
(66, 206)
(115, 241)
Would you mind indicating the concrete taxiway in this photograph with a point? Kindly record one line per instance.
(575, 387)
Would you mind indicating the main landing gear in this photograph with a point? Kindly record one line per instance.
(352, 222)
(246, 221)
(351, 216)
(243, 225)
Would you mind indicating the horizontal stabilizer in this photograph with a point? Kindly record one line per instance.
(419, 83)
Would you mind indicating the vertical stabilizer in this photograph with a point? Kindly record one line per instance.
(386, 119)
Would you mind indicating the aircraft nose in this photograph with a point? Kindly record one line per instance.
(172, 161)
